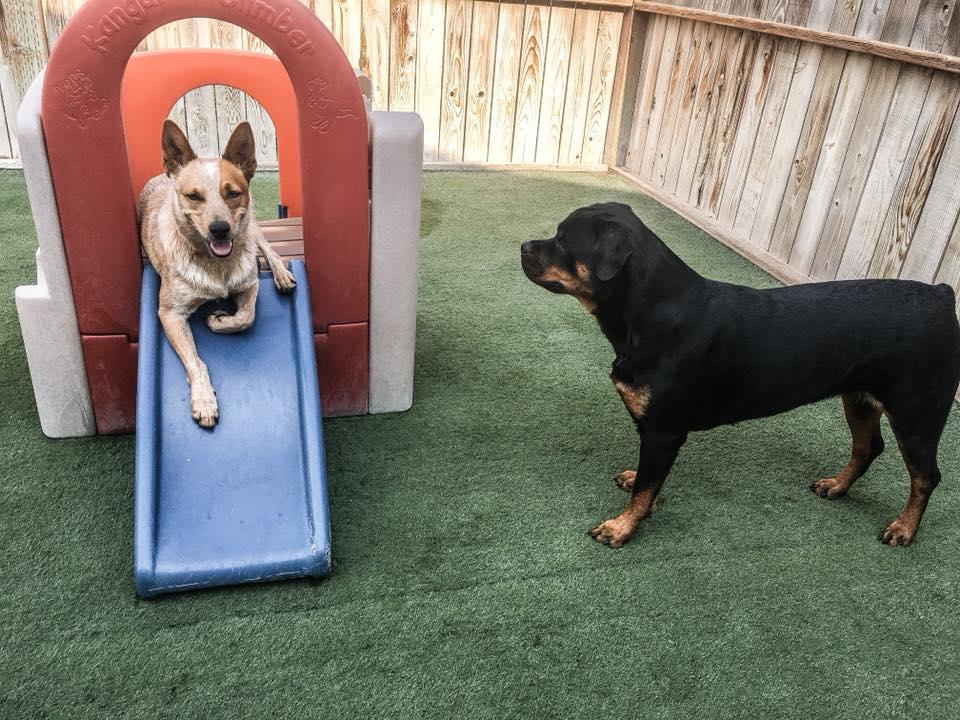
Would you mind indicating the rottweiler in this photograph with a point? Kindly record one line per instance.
(694, 353)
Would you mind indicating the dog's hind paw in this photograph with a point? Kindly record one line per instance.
(625, 480)
(830, 488)
(283, 279)
(203, 408)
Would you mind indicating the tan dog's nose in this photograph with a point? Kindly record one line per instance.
(219, 229)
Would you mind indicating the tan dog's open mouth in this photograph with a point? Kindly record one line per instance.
(221, 248)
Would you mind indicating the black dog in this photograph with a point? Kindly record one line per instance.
(692, 353)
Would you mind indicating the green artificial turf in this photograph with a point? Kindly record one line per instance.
(464, 584)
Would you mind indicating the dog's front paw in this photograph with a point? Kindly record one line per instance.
(220, 321)
(283, 279)
(614, 532)
(203, 407)
(897, 533)
(625, 480)
(224, 323)
(830, 488)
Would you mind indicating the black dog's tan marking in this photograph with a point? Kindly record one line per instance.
(692, 354)
(636, 399)
(863, 417)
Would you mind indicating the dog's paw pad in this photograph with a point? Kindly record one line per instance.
(625, 480)
(830, 488)
(614, 532)
(204, 409)
(897, 533)
(283, 280)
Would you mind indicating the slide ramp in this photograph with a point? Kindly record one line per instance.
(247, 500)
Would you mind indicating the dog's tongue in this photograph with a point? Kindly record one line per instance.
(221, 248)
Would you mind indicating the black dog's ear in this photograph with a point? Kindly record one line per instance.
(611, 252)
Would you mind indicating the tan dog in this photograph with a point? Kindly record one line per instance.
(198, 229)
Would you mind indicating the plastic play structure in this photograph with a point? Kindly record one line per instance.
(247, 501)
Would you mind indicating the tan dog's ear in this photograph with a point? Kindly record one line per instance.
(241, 150)
(176, 148)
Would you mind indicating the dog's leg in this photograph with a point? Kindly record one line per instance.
(919, 451)
(221, 321)
(657, 453)
(282, 278)
(203, 400)
(863, 417)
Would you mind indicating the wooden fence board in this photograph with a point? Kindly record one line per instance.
(453, 108)
(22, 42)
(836, 141)
(781, 82)
(507, 75)
(788, 136)
(666, 79)
(949, 270)
(679, 100)
(403, 54)
(583, 48)
(646, 97)
(761, 77)
(601, 89)
(805, 162)
(556, 71)
(702, 52)
(939, 215)
(348, 27)
(430, 73)
(374, 58)
(888, 162)
(483, 55)
(530, 83)
(910, 195)
(684, 67)
(710, 68)
(723, 131)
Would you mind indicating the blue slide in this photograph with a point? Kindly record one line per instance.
(247, 500)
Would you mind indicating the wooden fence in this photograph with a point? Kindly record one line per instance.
(496, 82)
(821, 139)
(816, 161)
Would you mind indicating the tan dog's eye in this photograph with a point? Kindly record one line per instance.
(194, 196)
(233, 194)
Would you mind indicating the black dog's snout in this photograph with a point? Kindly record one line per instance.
(219, 229)
(527, 248)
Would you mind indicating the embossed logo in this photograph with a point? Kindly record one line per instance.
(326, 109)
(80, 100)
(132, 12)
(280, 21)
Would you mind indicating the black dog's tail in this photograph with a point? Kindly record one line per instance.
(950, 300)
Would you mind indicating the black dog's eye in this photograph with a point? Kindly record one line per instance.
(233, 194)
(195, 196)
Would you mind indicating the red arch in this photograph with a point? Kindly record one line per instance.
(88, 162)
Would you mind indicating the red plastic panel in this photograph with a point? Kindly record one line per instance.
(171, 73)
(112, 374)
(88, 161)
(342, 367)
